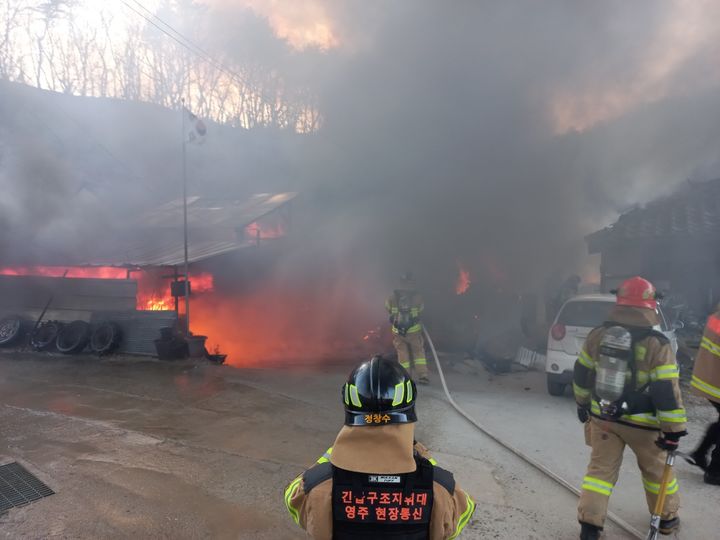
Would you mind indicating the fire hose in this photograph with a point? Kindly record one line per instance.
(540, 467)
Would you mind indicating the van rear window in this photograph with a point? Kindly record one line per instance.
(585, 313)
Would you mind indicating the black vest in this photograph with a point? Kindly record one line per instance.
(381, 506)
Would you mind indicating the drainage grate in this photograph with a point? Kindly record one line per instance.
(19, 487)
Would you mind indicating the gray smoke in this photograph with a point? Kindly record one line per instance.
(440, 140)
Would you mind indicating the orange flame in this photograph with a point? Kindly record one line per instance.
(463, 281)
(270, 323)
(154, 289)
(262, 231)
(276, 322)
(100, 272)
(153, 292)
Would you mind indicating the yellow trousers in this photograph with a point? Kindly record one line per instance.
(411, 353)
(608, 441)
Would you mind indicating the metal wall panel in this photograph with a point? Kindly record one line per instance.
(31, 294)
(140, 328)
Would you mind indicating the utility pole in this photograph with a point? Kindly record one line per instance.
(185, 221)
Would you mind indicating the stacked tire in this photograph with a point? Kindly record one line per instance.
(73, 337)
(105, 338)
(67, 338)
(12, 329)
(45, 335)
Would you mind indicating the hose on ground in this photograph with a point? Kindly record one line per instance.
(544, 470)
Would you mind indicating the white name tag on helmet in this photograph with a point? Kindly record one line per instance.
(383, 479)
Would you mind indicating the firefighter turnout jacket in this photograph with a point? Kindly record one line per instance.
(706, 373)
(405, 308)
(655, 401)
(376, 483)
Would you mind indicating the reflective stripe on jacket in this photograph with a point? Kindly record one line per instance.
(312, 511)
(414, 310)
(706, 373)
(657, 380)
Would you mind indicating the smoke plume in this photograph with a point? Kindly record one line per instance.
(493, 133)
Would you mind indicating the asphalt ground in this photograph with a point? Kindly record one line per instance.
(139, 448)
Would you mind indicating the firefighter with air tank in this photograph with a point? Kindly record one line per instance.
(626, 385)
(404, 306)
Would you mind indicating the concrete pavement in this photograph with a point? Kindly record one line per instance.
(518, 408)
(146, 449)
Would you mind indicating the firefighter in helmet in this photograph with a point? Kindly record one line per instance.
(706, 383)
(404, 306)
(626, 385)
(376, 482)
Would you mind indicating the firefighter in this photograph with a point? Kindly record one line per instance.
(626, 385)
(706, 383)
(376, 482)
(405, 306)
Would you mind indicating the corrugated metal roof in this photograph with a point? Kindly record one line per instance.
(156, 238)
(159, 253)
(206, 212)
(691, 212)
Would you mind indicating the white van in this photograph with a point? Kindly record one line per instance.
(577, 317)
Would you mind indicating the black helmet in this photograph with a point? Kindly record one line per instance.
(379, 392)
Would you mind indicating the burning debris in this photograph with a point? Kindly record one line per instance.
(463, 280)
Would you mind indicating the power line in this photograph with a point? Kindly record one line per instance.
(191, 46)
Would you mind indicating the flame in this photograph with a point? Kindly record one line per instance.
(463, 281)
(373, 334)
(153, 293)
(156, 304)
(276, 322)
(262, 231)
(99, 272)
(154, 288)
(273, 322)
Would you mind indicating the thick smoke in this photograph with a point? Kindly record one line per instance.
(496, 134)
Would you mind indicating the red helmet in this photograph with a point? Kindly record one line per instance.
(637, 292)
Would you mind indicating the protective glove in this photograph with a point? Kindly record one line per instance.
(583, 413)
(391, 318)
(670, 441)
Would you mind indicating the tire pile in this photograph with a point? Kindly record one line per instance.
(67, 338)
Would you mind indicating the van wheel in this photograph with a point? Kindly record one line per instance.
(555, 388)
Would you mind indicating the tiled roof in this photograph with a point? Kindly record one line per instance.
(692, 211)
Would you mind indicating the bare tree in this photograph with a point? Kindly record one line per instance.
(47, 12)
(10, 12)
(42, 40)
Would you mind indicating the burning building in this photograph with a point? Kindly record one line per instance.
(134, 281)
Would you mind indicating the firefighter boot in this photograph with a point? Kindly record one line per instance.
(712, 474)
(712, 479)
(698, 459)
(669, 526)
(589, 532)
